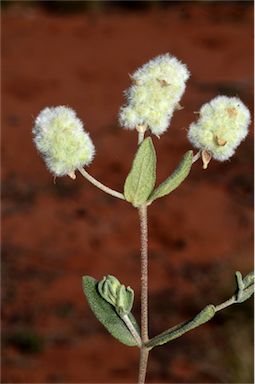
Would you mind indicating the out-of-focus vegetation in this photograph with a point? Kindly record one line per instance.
(79, 6)
(26, 341)
(76, 6)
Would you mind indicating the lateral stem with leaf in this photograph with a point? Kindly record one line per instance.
(101, 186)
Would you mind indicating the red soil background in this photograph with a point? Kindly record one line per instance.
(53, 234)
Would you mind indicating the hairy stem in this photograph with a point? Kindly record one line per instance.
(226, 304)
(196, 157)
(144, 354)
(101, 186)
(141, 131)
(140, 137)
(144, 351)
(144, 272)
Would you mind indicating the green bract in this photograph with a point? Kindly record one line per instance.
(117, 294)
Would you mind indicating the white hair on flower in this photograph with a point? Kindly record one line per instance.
(156, 91)
(222, 125)
(60, 138)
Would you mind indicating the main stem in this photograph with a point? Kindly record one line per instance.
(144, 272)
(144, 351)
(144, 354)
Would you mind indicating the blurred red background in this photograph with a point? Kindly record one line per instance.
(80, 54)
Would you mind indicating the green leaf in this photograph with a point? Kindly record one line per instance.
(173, 181)
(141, 179)
(246, 294)
(106, 314)
(248, 279)
(205, 315)
(245, 286)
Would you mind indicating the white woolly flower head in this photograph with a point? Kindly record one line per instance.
(156, 91)
(60, 138)
(221, 126)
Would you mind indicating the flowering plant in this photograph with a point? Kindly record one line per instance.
(152, 98)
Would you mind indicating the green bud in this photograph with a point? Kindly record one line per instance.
(240, 286)
(125, 300)
(116, 294)
(108, 288)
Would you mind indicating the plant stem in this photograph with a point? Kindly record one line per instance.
(196, 157)
(144, 272)
(226, 304)
(144, 351)
(140, 137)
(99, 185)
(141, 131)
(144, 354)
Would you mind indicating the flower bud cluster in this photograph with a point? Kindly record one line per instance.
(116, 294)
(155, 94)
(221, 126)
(60, 138)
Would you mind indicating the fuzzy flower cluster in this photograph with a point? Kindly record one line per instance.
(221, 126)
(60, 138)
(156, 91)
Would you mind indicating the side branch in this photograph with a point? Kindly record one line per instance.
(101, 186)
(245, 289)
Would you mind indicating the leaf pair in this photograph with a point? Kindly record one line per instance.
(106, 313)
(140, 182)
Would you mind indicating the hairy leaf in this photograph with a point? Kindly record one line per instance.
(141, 179)
(245, 286)
(248, 279)
(106, 313)
(246, 294)
(205, 315)
(173, 181)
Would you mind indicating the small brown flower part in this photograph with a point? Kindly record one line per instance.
(135, 81)
(206, 158)
(221, 142)
(232, 112)
(72, 175)
(178, 107)
(163, 82)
